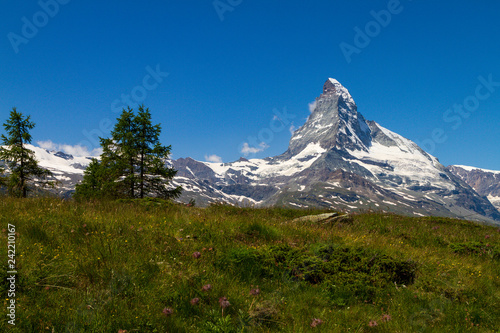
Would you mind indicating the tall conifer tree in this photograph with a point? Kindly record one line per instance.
(132, 164)
(151, 156)
(21, 162)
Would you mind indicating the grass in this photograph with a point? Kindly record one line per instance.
(145, 266)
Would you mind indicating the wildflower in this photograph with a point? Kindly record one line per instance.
(224, 303)
(386, 317)
(196, 255)
(372, 323)
(195, 301)
(255, 291)
(47, 288)
(140, 229)
(316, 322)
(487, 236)
(435, 228)
(167, 311)
(122, 331)
(84, 226)
(206, 287)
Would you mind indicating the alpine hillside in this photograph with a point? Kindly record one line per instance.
(337, 160)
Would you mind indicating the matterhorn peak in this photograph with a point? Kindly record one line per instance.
(329, 87)
(334, 122)
(333, 88)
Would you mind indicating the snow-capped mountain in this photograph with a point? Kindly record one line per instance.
(341, 160)
(484, 182)
(67, 169)
(337, 159)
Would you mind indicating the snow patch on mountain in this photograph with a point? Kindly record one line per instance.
(405, 158)
(59, 162)
(471, 168)
(268, 168)
(342, 91)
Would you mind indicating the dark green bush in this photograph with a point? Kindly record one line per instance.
(348, 274)
(476, 248)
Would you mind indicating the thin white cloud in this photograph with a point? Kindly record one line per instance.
(312, 106)
(75, 150)
(292, 129)
(246, 149)
(213, 158)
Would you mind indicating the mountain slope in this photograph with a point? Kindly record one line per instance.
(339, 159)
(484, 182)
(67, 170)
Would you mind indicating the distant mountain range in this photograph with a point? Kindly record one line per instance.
(485, 182)
(338, 160)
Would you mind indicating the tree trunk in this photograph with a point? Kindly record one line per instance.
(132, 194)
(21, 176)
(142, 174)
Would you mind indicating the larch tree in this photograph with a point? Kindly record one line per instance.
(93, 184)
(133, 161)
(23, 168)
(120, 153)
(151, 156)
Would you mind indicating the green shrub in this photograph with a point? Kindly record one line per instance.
(476, 248)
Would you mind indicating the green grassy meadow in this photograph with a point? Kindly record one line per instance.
(155, 266)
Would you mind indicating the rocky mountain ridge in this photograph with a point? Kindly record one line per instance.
(337, 160)
(485, 182)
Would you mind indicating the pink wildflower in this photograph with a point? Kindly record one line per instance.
(255, 291)
(167, 311)
(224, 303)
(316, 322)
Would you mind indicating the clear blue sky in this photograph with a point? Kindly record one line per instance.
(225, 77)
